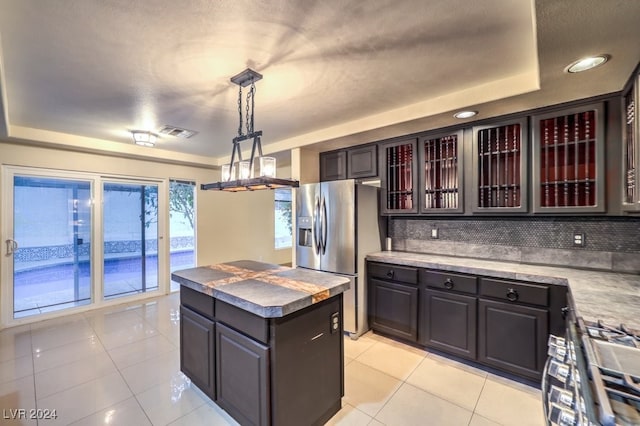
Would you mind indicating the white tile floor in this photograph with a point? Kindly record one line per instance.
(120, 366)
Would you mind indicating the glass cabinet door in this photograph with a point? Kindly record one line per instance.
(631, 146)
(568, 160)
(398, 177)
(500, 167)
(440, 160)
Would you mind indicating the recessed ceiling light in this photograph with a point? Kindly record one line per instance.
(587, 63)
(465, 114)
(144, 137)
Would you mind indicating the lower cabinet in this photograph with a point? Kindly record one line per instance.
(497, 322)
(513, 337)
(448, 322)
(284, 371)
(393, 308)
(197, 350)
(242, 367)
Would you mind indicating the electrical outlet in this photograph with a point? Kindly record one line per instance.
(434, 233)
(578, 239)
(335, 322)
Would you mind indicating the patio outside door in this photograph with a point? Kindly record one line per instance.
(130, 233)
(51, 244)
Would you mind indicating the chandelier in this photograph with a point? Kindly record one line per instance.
(245, 179)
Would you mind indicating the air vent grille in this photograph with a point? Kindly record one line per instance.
(177, 132)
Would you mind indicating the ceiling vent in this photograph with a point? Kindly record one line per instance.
(177, 132)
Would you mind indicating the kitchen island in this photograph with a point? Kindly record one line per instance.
(264, 341)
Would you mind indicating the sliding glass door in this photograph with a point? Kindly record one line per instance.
(72, 239)
(51, 244)
(130, 233)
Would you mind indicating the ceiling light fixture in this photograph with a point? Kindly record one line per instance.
(465, 114)
(588, 63)
(245, 180)
(144, 137)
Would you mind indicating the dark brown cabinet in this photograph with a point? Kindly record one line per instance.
(362, 162)
(264, 371)
(399, 177)
(393, 300)
(448, 312)
(449, 322)
(513, 325)
(242, 367)
(333, 165)
(351, 163)
(500, 167)
(497, 322)
(631, 146)
(394, 309)
(513, 337)
(440, 157)
(197, 350)
(568, 160)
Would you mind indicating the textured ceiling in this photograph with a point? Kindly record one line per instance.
(83, 73)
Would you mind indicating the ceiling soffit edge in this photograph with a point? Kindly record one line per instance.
(56, 140)
(488, 92)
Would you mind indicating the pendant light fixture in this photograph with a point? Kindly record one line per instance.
(245, 179)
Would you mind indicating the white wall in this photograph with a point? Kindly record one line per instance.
(229, 226)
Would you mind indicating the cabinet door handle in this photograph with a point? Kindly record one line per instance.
(512, 295)
(390, 273)
(448, 284)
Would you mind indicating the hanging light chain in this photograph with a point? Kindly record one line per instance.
(250, 107)
(240, 110)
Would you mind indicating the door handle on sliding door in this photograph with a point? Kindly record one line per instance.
(12, 246)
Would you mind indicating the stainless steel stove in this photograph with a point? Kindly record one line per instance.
(592, 376)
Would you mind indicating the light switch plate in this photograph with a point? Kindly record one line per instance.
(434, 233)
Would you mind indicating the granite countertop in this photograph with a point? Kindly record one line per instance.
(611, 297)
(264, 289)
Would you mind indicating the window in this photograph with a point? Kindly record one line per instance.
(181, 226)
(283, 235)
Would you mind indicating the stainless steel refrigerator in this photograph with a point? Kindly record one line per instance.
(337, 226)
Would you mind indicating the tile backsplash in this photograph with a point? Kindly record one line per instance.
(611, 243)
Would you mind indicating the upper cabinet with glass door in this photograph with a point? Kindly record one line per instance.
(631, 147)
(499, 160)
(398, 178)
(440, 167)
(568, 160)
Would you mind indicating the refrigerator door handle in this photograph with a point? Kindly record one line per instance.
(315, 233)
(323, 226)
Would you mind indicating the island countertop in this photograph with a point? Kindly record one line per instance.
(264, 289)
(611, 297)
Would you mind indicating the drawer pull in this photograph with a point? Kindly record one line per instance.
(390, 273)
(448, 284)
(512, 295)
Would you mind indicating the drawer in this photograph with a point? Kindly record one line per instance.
(534, 294)
(250, 324)
(393, 272)
(449, 281)
(196, 301)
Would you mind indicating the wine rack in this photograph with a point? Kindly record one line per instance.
(441, 173)
(399, 173)
(500, 152)
(568, 152)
